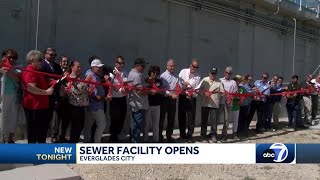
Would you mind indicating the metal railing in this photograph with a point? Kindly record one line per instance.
(312, 5)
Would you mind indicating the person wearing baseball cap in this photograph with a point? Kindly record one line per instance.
(210, 89)
(138, 99)
(96, 104)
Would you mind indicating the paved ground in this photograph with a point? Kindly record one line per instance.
(242, 172)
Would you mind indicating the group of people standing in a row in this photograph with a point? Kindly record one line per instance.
(83, 106)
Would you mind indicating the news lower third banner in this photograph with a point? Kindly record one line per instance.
(159, 153)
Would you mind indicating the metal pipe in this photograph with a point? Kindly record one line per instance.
(278, 7)
(294, 45)
(316, 70)
(37, 28)
(217, 9)
(1, 107)
(300, 8)
(318, 11)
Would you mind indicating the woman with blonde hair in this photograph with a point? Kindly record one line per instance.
(35, 101)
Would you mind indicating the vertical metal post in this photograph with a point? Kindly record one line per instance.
(2, 132)
(318, 11)
(300, 8)
(294, 44)
(37, 28)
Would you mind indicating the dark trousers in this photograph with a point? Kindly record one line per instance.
(63, 117)
(314, 107)
(294, 113)
(77, 117)
(187, 109)
(37, 125)
(167, 107)
(118, 112)
(259, 107)
(243, 118)
(212, 114)
(268, 114)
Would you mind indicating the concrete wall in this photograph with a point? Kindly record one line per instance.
(155, 30)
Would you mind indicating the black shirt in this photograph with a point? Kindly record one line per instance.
(154, 100)
(294, 87)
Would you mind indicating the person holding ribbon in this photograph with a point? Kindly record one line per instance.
(78, 101)
(118, 104)
(12, 96)
(230, 86)
(245, 87)
(170, 81)
(210, 90)
(153, 113)
(293, 104)
(138, 99)
(97, 97)
(35, 101)
(190, 79)
(258, 104)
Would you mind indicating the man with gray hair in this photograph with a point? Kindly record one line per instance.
(230, 86)
(168, 105)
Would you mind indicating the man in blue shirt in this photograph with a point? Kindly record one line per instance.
(96, 104)
(259, 102)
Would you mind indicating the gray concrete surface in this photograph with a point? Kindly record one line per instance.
(41, 172)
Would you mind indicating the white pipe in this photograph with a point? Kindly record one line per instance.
(279, 1)
(318, 11)
(294, 45)
(1, 107)
(37, 28)
(300, 8)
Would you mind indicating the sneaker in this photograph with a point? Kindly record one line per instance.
(224, 138)
(213, 139)
(203, 140)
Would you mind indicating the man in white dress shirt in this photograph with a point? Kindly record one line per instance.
(189, 79)
(231, 87)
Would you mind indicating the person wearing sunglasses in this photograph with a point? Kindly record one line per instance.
(118, 104)
(51, 67)
(189, 79)
(259, 103)
(12, 98)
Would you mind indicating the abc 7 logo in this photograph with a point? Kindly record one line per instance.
(269, 155)
(280, 155)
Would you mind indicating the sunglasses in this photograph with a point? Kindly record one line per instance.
(121, 63)
(264, 77)
(52, 55)
(11, 57)
(228, 72)
(195, 67)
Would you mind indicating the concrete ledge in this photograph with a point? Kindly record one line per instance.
(43, 172)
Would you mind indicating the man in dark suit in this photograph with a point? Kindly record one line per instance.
(49, 66)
